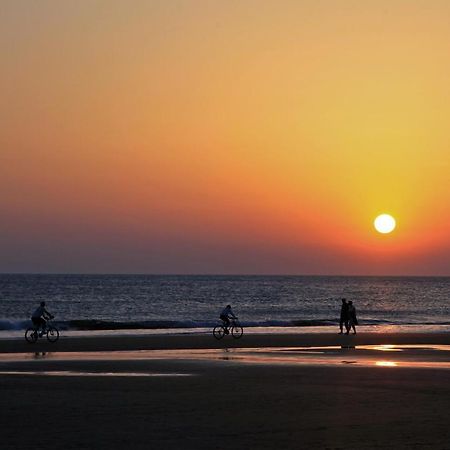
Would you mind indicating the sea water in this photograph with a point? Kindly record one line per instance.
(181, 302)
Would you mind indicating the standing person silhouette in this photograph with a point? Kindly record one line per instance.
(344, 316)
(352, 320)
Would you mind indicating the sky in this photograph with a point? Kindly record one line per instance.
(224, 137)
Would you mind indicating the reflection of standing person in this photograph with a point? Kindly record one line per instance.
(344, 316)
(352, 320)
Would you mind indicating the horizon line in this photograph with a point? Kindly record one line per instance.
(220, 274)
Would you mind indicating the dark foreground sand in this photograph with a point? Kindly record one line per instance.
(219, 403)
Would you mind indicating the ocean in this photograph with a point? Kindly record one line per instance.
(96, 303)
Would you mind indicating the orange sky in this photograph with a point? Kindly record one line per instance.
(224, 137)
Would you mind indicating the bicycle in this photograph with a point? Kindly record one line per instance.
(221, 330)
(32, 334)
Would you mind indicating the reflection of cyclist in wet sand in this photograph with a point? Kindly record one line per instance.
(225, 316)
(40, 317)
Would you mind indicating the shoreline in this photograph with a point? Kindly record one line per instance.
(17, 333)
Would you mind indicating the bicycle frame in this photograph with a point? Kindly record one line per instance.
(40, 328)
(33, 333)
(233, 323)
(233, 328)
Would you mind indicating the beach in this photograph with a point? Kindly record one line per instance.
(260, 392)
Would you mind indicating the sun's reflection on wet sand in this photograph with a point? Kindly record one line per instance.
(423, 356)
(386, 363)
(387, 348)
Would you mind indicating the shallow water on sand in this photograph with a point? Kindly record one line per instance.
(406, 356)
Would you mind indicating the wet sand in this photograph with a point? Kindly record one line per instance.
(262, 392)
(202, 341)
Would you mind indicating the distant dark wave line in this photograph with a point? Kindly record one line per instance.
(98, 324)
(173, 324)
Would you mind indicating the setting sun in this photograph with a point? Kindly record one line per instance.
(384, 223)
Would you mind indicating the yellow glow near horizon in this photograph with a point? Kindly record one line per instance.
(384, 223)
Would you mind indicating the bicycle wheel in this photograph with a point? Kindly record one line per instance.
(52, 334)
(219, 332)
(31, 335)
(237, 331)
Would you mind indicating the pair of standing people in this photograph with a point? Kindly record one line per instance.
(348, 317)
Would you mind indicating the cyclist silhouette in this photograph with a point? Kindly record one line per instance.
(225, 316)
(40, 317)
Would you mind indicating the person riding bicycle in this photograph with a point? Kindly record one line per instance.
(226, 315)
(40, 317)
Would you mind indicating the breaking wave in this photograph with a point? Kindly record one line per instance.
(97, 324)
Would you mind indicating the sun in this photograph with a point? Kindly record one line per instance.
(384, 223)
